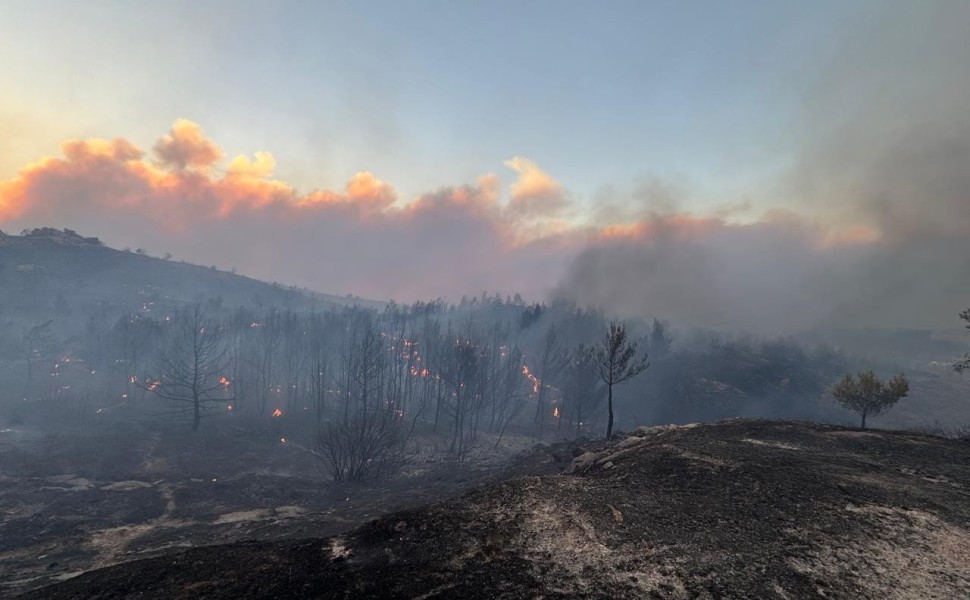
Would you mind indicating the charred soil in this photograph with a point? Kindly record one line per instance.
(736, 509)
(99, 494)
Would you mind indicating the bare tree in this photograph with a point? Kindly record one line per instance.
(269, 339)
(318, 356)
(964, 364)
(660, 343)
(868, 395)
(460, 372)
(132, 338)
(507, 402)
(552, 361)
(191, 369)
(38, 348)
(616, 362)
(581, 393)
(366, 439)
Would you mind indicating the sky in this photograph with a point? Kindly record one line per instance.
(769, 166)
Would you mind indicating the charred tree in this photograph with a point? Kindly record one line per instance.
(192, 367)
(552, 360)
(365, 439)
(964, 364)
(582, 393)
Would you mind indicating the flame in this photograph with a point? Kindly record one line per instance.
(555, 412)
(282, 440)
(277, 413)
(224, 381)
(132, 379)
(535, 380)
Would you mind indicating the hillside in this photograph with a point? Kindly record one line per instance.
(48, 273)
(736, 509)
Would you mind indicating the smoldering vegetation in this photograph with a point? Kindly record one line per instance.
(148, 404)
(95, 336)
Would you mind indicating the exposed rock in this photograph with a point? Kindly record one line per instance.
(126, 486)
(583, 462)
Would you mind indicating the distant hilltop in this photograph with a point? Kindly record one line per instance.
(67, 237)
(48, 273)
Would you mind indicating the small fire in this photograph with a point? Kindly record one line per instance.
(277, 413)
(132, 379)
(224, 381)
(532, 378)
(282, 440)
(555, 412)
(229, 407)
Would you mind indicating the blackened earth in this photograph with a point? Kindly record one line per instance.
(737, 509)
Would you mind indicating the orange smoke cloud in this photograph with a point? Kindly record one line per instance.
(260, 167)
(180, 189)
(174, 191)
(186, 146)
(535, 192)
(451, 241)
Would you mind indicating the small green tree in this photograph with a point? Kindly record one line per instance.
(616, 362)
(867, 395)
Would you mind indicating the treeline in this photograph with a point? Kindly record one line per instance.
(356, 385)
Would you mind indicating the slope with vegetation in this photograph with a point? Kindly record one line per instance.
(58, 274)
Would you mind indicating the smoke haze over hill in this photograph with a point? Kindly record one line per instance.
(863, 221)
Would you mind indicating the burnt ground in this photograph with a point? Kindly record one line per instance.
(737, 509)
(101, 493)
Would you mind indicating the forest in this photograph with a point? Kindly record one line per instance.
(357, 384)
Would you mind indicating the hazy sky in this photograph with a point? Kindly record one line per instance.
(417, 149)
